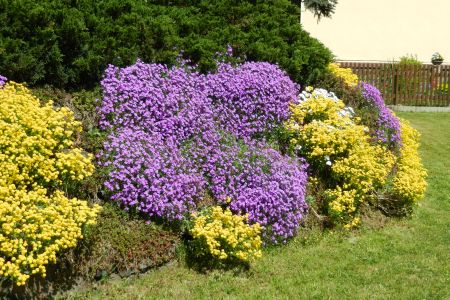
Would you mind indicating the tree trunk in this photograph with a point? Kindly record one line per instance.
(300, 13)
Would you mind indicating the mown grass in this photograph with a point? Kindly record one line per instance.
(408, 259)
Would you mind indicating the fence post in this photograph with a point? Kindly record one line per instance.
(394, 88)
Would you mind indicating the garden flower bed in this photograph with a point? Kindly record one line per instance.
(234, 160)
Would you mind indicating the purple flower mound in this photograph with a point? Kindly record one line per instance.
(176, 134)
(168, 102)
(276, 199)
(388, 125)
(225, 162)
(150, 175)
(251, 98)
(3, 80)
(258, 180)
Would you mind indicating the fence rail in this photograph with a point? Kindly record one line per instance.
(418, 85)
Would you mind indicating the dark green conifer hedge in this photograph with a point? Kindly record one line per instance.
(68, 43)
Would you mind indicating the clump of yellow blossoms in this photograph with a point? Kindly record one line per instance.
(38, 155)
(324, 131)
(226, 236)
(409, 182)
(346, 74)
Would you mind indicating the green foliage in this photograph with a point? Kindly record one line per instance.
(410, 60)
(69, 43)
(406, 82)
(123, 244)
(83, 104)
(442, 89)
(321, 8)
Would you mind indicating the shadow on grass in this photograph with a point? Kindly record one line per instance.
(204, 264)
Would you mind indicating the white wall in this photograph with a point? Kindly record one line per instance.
(385, 29)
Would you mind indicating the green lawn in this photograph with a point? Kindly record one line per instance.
(408, 259)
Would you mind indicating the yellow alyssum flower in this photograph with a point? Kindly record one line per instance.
(324, 131)
(346, 74)
(224, 235)
(409, 183)
(37, 154)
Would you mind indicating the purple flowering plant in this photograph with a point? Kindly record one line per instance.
(256, 180)
(170, 102)
(149, 174)
(3, 80)
(252, 98)
(275, 198)
(387, 125)
(175, 134)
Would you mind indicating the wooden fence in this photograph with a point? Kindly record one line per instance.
(421, 85)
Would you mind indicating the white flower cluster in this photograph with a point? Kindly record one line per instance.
(311, 92)
(346, 111)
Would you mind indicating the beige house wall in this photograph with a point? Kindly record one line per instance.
(385, 29)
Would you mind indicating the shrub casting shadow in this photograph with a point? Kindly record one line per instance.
(207, 263)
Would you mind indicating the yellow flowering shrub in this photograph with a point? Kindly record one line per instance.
(324, 131)
(409, 181)
(364, 171)
(365, 168)
(38, 155)
(226, 236)
(350, 78)
(321, 128)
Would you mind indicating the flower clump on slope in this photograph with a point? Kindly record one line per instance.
(387, 124)
(252, 98)
(177, 135)
(150, 174)
(169, 102)
(226, 236)
(261, 182)
(37, 156)
(326, 132)
(346, 74)
(405, 184)
(408, 183)
(150, 111)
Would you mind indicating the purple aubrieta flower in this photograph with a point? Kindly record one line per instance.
(3, 80)
(176, 134)
(251, 98)
(245, 100)
(277, 198)
(259, 181)
(169, 101)
(150, 175)
(387, 125)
